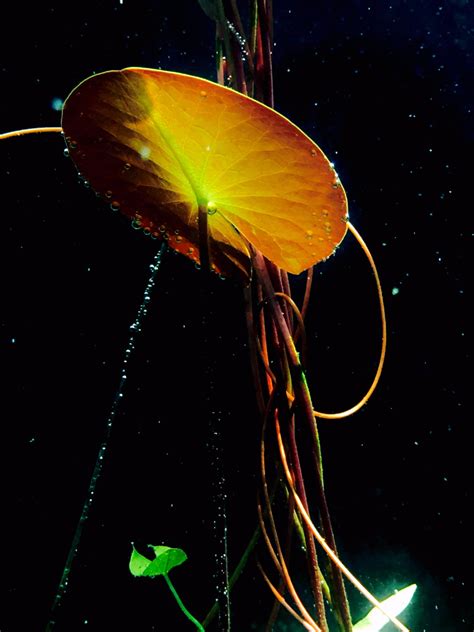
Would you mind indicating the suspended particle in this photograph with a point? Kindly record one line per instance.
(57, 104)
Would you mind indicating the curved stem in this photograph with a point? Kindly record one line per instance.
(181, 604)
(312, 627)
(303, 397)
(31, 130)
(383, 349)
(330, 553)
(300, 320)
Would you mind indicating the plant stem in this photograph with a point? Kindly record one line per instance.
(181, 604)
(235, 575)
(31, 130)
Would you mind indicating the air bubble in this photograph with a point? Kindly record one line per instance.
(127, 166)
(66, 152)
(136, 224)
(115, 206)
(108, 194)
(203, 93)
(313, 152)
(309, 234)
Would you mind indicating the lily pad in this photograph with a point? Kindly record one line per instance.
(159, 146)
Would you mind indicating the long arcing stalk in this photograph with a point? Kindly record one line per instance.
(277, 555)
(327, 548)
(303, 399)
(281, 346)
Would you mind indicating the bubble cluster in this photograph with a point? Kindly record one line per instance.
(135, 328)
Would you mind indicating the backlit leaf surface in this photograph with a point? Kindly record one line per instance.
(158, 145)
(165, 559)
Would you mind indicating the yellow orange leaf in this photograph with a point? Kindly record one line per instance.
(160, 145)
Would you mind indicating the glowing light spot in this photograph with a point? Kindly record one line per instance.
(57, 104)
(145, 152)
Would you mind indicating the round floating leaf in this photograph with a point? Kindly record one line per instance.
(161, 145)
(166, 558)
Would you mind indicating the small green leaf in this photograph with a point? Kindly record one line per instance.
(138, 563)
(166, 558)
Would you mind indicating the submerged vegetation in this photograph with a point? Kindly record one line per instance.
(215, 174)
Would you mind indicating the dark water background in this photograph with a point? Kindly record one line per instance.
(386, 90)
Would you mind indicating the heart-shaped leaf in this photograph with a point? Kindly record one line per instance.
(166, 558)
(161, 145)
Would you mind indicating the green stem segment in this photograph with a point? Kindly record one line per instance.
(303, 397)
(181, 604)
(204, 255)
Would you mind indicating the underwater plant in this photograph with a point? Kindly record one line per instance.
(229, 183)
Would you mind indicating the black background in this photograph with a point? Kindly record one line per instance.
(386, 90)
